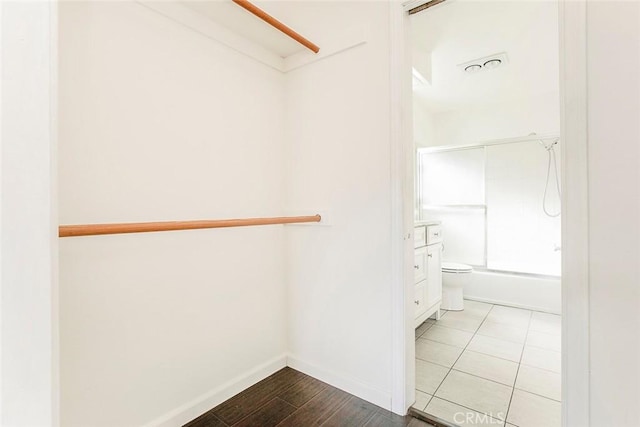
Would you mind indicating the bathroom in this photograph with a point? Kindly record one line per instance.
(486, 127)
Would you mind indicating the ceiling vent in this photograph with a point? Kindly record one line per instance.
(485, 63)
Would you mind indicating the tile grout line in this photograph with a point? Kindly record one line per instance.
(465, 349)
(490, 380)
(536, 394)
(434, 392)
(518, 370)
(425, 331)
(519, 363)
(537, 367)
(479, 352)
(445, 377)
(451, 368)
(456, 361)
(471, 409)
(417, 338)
(420, 336)
(483, 335)
(434, 323)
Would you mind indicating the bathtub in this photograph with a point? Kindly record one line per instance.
(540, 293)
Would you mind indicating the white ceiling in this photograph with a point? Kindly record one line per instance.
(458, 31)
(244, 23)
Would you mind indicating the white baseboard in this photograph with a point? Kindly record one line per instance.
(350, 385)
(203, 403)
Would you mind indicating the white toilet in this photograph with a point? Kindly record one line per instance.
(454, 277)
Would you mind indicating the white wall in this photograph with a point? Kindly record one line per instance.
(28, 340)
(160, 123)
(338, 157)
(613, 52)
(424, 132)
(489, 122)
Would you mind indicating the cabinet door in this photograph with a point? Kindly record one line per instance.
(420, 265)
(434, 274)
(419, 302)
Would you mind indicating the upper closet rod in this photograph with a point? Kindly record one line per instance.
(424, 6)
(145, 227)
(277, 24)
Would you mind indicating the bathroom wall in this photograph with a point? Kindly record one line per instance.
(424, 127)
(153, 126)
(338, 155)
(487, 122)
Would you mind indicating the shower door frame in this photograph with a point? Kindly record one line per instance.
(471, 146)
(574, 219)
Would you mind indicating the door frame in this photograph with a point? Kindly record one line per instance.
(572, 35)
(29, 338)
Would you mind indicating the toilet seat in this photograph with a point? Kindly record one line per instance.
(454, 267)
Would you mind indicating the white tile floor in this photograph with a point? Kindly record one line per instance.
(490, 365)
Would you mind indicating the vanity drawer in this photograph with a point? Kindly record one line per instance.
(434, 234)
(420, 236)
(420, 264)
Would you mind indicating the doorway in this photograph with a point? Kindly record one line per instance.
(486, 127)
(569, 131)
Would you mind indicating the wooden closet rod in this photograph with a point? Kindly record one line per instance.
(427, 5)
(145, 227)
(276, 24)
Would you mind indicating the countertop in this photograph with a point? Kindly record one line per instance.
(420, 223)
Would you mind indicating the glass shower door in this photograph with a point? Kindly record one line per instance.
(520, 236)
(452, 191)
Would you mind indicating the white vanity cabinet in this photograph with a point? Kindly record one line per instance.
(434, 275)
(427, 268)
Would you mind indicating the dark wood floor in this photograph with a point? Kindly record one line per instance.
(290, 398)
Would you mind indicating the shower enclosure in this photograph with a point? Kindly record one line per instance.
(491, 198)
